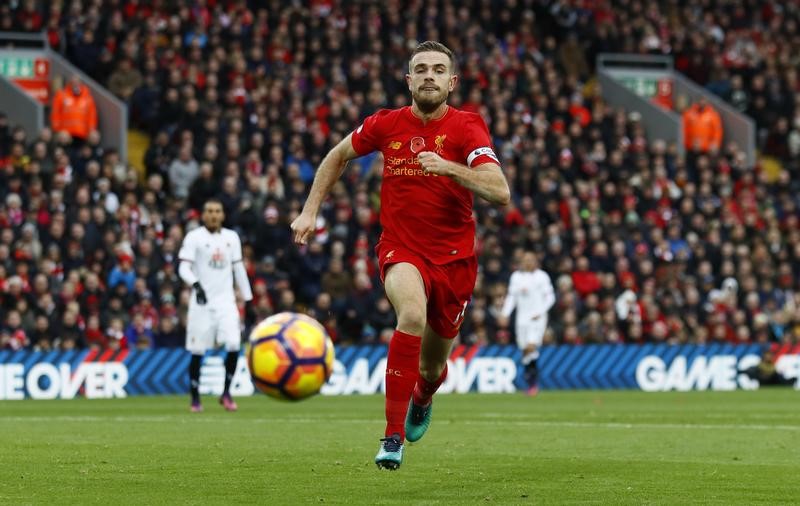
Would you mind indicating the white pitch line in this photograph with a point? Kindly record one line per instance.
(349, 421)
(654, 426)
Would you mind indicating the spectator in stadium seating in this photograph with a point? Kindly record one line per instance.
(96, 338)
(311, 267)
(204, 187)
(145, 308)
(92, 297)
(122, 273)
(338, 282)
(73, 110)
(70, 334)
(41, 336)
(14, 286)
(584, 280)
(573, 57)
(138, 335)
(183, 171)
(272, 234)
(115, 334)
(158, 156)
(85, 52)
(142, 112)
(169, 334)
(382, 319)
(124, 80)
(12, 334)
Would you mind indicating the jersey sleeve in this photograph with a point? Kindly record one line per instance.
(236, 253)
(477, 143)
(368, 136)
(510, 301)
(549, 298)
(187, 251)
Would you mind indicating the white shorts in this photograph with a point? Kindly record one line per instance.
(531, 332)
(210, 325)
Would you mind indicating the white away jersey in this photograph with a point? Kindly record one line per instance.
(212, 257)
(531, 293)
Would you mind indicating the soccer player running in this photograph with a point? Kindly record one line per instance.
(531, 292)
(210, 258)
(435, 158)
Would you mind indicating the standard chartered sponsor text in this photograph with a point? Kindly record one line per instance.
(411, 167)
(408, 171)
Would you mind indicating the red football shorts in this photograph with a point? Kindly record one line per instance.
(448, 287)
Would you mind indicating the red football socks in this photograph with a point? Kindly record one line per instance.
(424, 389)
(402, 370)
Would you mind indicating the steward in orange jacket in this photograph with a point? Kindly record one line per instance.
(702, 127)
(73, 110)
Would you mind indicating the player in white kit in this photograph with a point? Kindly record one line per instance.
(210, 258)
(531, 292)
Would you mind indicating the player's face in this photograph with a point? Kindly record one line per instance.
(431, 79)
(213, 216)
(530, 262)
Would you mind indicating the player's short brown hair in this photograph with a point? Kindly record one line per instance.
(437, 47)
(213, 200)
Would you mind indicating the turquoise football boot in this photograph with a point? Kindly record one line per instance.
(390, 454)
(418, 420)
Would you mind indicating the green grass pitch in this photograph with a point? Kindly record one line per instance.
(590, 447)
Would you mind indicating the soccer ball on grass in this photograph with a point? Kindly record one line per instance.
(290, 356)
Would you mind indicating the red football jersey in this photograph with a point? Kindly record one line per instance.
(430, 214)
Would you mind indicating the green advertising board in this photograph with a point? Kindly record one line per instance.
(15, 67)
(646, 87)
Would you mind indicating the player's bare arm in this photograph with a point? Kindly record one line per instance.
(485, 180)
(329, 171)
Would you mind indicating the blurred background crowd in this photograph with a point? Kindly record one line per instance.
(241, 99)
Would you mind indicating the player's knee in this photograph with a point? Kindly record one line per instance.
(430, 369)
(411, 321)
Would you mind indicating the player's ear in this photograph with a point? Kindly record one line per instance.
(453, 81)
(408, 81)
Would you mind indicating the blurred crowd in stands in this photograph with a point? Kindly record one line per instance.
(242, 99)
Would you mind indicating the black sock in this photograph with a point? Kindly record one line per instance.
(231, 359)
(194, 376)
(531, 373)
